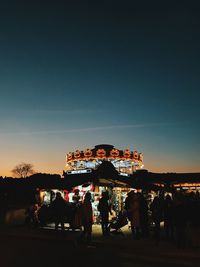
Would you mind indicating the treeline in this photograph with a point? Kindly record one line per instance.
(18, 191)
(41, 180)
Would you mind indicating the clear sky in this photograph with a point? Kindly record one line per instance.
(74, 74)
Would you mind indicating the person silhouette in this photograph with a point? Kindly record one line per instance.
(132, 206)
(87, 218)
(58, 207)
(156, 208)
(104, 209)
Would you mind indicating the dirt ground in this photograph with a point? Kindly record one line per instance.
(45, 247)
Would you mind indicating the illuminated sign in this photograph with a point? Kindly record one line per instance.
(79, 171)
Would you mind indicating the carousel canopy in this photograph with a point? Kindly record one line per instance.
(106, 175)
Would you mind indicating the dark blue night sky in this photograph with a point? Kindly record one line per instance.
(74, 74)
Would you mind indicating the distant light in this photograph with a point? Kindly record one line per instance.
(124, 174)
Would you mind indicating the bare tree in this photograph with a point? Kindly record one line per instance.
(22, 170)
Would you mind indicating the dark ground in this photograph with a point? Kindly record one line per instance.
(38, 247)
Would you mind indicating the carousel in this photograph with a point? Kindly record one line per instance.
(125, 161)
(103, 168)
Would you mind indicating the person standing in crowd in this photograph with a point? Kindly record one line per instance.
(180, 219)
(132, 206)
(87, 218)
(156, 208)
(168, 216)
(144, 220)
(104, 208)
(3, 207)
(194, 218)
(31, 219)
(76, 222)
(58, 207)
(76, 197)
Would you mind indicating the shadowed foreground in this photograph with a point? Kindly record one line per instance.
(23, 247)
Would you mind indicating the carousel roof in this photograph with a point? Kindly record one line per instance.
(104, 151)
(105, 175)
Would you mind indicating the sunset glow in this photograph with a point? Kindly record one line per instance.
(108, 77)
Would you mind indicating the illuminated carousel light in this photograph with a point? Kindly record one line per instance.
(101, 153)
(77, 154)
(69, 156)
(114, 153)
(127, 153)
(140, 156)
(88, 153)
(123, 160)
(135, 154)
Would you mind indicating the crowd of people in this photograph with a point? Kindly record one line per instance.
(178, 212)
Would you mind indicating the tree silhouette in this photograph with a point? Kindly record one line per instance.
(22, 170)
